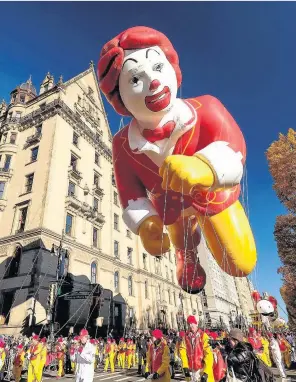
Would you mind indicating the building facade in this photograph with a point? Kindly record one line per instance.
(57, 190)
(56, 186)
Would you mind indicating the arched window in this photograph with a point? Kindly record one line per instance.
(93, 273)
(116, 281)
(146, 288)
(130, 285)
(14, 263)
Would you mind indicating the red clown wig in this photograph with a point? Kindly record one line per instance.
(112, 57)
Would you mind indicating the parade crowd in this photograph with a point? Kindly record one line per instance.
(204, 356)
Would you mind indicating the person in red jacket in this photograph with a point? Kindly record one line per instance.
(255, 341)
(178, 163)
(60, 352)
(158, 358)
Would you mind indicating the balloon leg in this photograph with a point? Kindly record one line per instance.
(230, 240)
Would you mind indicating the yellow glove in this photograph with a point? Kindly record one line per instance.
(153, 239)
(181, 173)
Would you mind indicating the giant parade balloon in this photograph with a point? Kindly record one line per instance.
(178, 163)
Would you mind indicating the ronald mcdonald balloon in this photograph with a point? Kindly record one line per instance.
(179, 162)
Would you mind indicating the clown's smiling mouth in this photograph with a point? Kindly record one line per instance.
(159, 101)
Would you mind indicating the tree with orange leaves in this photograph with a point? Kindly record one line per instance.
(281, 156)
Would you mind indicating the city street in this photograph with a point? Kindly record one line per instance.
(131, 376)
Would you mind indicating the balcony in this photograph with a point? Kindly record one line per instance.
(32, 139)
(75, 173)
(85, 210)
(6, 172)
(98, 191)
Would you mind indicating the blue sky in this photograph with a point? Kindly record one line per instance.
(243, 53)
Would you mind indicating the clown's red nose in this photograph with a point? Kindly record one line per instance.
(154, 85)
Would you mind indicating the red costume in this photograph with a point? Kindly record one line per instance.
(143, 179)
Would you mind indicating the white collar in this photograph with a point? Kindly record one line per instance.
(139, 144)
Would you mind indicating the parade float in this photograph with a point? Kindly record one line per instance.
(178, 163)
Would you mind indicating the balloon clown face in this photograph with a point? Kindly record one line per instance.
(147, 82)
(265, 307)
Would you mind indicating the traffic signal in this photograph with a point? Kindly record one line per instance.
(52, 294)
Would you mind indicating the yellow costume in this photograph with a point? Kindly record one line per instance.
(129, 354)
(134, 354)
(158, 361)
(2, 357)
(265, 355)
(109, 352)
(121, 354)
(60, 350)
(18, 366)
(186, 351)
(34, 354)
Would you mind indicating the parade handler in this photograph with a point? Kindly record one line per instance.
(196, 354)
(18, 363)
(158, 359)
(84, 358)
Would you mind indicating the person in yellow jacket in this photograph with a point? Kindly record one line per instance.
(129, 353)
(18, 363)
(158, 358)
(60, 352)
(73, 348)
(94, 342)
(109, 352)
(33, 355)
(121, 353)
(285, 348)
(264, 355)
(196, 354)
(43, 356)
(2, 359)
(134, 353)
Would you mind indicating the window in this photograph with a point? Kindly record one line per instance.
(18, 115)
(116, 281)
(175, 301)
(169, 294)
(95, 237)
(93, 275)
(34, 154)
(96, 204)
(23, 218)
(90, 91)
(4, 139)
(116, 249)
(73, 162)
(113, 180)
(115, 197)
(130, 285)
(158, 292)
(43, 105)
(79, 101)
(75, 139)
(157, 265)
(116, 222)
(10, 116)
(97, 159)
(7, 162)
(145, 260)
(96, 180)
(39, 129)
(146, 289)
(167, 272)
(2, 186)
(172, 275)
(13, 138)
(22, 98)
(69, 224)
(71, 189)
(204, 298)
(12, 269)
(29, 183)
(130, 255)
(128, 234)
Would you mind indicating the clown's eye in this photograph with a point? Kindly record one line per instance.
(134, 80)
(158, 67)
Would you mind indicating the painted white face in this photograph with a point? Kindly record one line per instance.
(265, 307)
(147, 83)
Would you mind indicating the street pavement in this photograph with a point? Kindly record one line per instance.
(131, 376)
